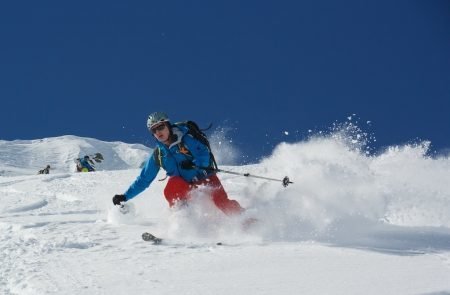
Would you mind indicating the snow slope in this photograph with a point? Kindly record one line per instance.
(20, 157)
(350, 224)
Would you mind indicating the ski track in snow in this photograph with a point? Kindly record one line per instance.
(32, 206)
(349, 225)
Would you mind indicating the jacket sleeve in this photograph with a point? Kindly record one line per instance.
(148, 174)
(199, 151)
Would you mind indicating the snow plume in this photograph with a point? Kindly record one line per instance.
(222, 146)
(332, 182)
(343, 195)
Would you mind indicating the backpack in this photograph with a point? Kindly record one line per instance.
(199, 135)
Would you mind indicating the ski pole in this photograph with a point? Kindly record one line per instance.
(285, 181)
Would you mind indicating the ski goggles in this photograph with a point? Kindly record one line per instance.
(160, 127)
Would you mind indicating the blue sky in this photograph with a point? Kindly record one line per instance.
(98, 68)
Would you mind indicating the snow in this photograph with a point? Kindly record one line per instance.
(349, 224)
(21, 157)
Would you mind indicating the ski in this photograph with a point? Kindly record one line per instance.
(148, 237)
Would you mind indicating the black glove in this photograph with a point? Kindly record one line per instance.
(187, 165)
(117, 199)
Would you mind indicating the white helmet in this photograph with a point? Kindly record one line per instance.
(155, 118)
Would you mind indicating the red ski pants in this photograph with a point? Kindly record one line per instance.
(177, 189)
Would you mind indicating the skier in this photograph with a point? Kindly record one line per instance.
(46, 170)
(185, 159)
(83, 164)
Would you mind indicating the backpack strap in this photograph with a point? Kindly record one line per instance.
(158, 157)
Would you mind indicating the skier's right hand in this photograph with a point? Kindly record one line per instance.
(117, 199)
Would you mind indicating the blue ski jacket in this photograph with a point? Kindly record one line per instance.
(85, 164)
(185, 147)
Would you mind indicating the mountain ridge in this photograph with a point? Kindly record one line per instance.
(18, 157)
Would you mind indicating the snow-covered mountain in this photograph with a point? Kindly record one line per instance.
(21, 157)
(351, 223)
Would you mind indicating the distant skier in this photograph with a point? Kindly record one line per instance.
(84, 164)
(186, 161)
(46, 170)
